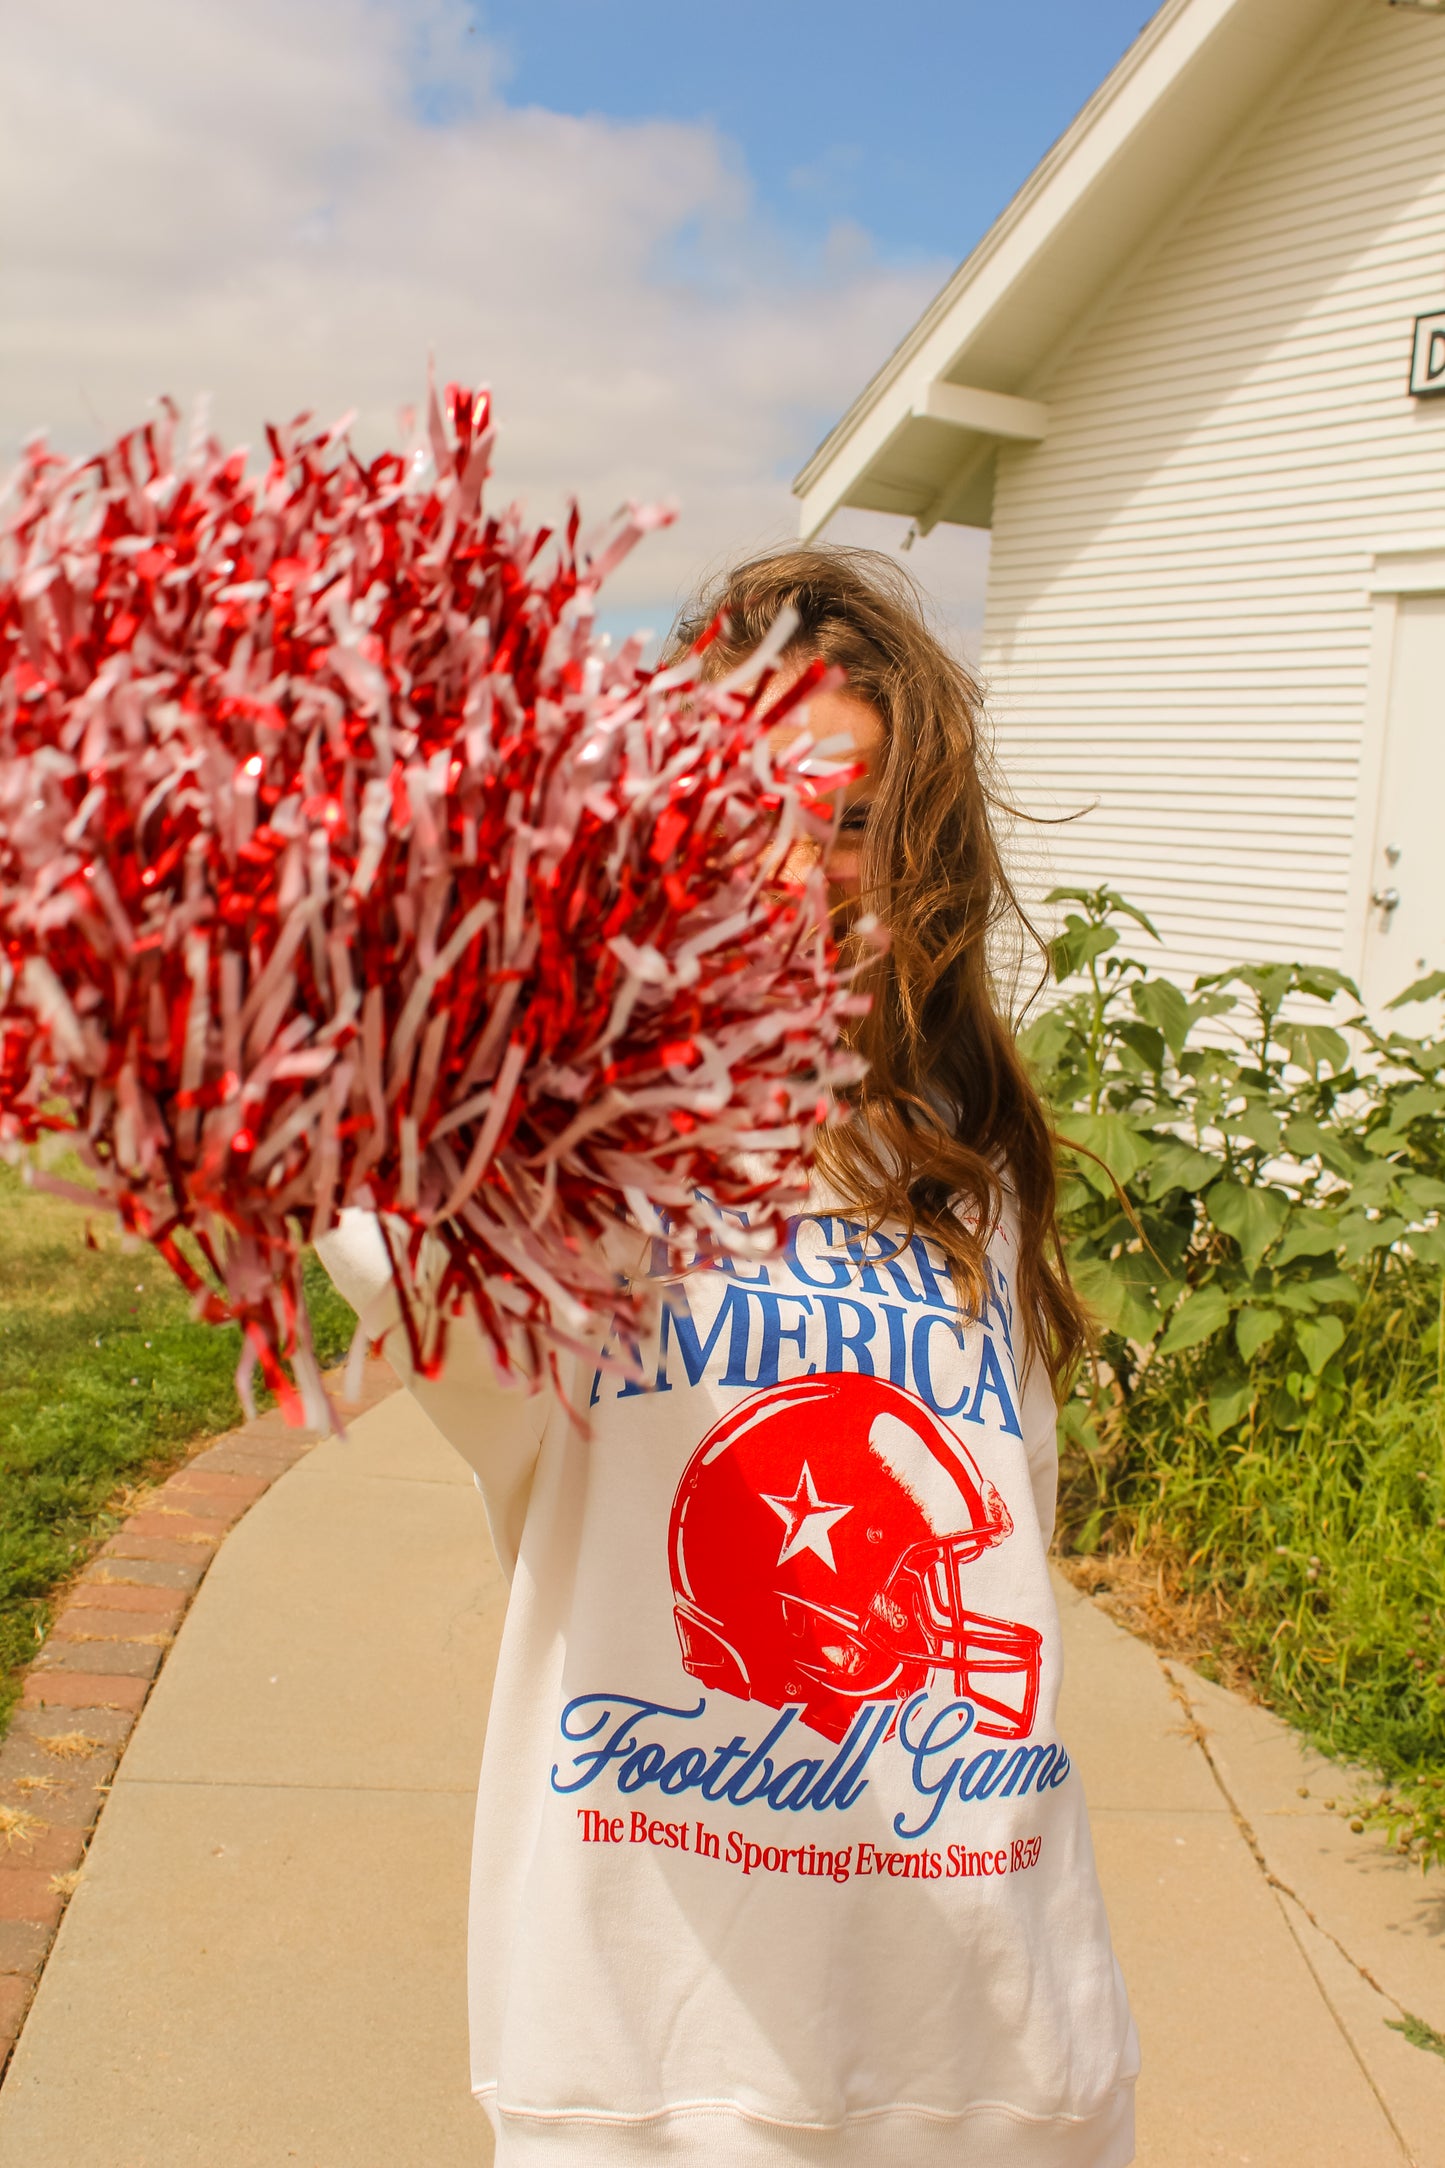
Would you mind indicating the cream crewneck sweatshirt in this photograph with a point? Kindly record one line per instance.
(779, 1857)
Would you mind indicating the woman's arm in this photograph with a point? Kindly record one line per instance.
(496, 1428)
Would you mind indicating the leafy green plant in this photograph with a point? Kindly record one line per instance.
(1235, 1157)
(1312, 1560)
(1251, 1202)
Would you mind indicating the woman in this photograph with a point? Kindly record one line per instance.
(779, 1857)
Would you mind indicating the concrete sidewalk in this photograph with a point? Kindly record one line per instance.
(263, 1960)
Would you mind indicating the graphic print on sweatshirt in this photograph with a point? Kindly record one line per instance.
(822, 1502)
(819, 1543)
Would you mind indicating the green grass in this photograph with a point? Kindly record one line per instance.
(1310, 1556)
(105, 1382)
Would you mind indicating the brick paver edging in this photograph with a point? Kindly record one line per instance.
(89, 1683)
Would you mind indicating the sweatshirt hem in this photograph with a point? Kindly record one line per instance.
(724, 2134)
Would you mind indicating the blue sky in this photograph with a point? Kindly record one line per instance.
(917, 121)
(906, 129)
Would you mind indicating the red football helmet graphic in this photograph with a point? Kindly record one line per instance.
(818, 1539)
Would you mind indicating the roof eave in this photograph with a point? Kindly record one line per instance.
(996, 238)
(1080, 216)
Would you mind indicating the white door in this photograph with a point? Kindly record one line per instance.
(1405, 919)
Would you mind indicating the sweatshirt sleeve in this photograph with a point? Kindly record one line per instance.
(1039, 1415)
(1038, 1408)
(496, 1428)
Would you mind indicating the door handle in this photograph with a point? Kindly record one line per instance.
(1386, 900)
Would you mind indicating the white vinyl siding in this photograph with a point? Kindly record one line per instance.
(1178, 623)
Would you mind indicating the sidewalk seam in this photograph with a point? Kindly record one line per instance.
(1198, 1733)
(83, 1694)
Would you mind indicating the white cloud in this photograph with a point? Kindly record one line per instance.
(248, 200)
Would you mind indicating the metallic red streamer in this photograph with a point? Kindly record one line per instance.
(342, 863)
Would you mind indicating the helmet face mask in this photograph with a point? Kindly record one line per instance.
(977, 1653)
(818, 1541)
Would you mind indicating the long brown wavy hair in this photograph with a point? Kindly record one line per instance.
(948, 1116)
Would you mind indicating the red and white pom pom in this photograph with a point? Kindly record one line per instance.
(341, 863)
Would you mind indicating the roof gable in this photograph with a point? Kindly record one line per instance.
(920, 438)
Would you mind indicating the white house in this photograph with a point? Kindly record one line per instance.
(1194, 381)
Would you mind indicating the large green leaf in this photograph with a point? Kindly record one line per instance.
(1423, 1191)
(1269, 983)
(1314, 1046)
(1046, 1039)
(1141, 1314)
(1145, 1042)
(1327, 1287)
(1078, 944)
(1255, 1328)
(1197, 1319)
(1229, 1403)
(1324, 984)
(1073, 1196)
(1318, 1339)
(1359, 1237)
(1210, 1003)
(1372, 1185)
(1312, 1232)
(1119, 1293)
(1259, 1123)
(1420, 990)
(1101, 1288)
(1160, 1003)
(1173, 1165)
(1109, 1137)
(1299, 1296)
(1305, 1137)
(1103, 901)
(1415, 1103)
(1254, 1217)
(1167, 1241)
